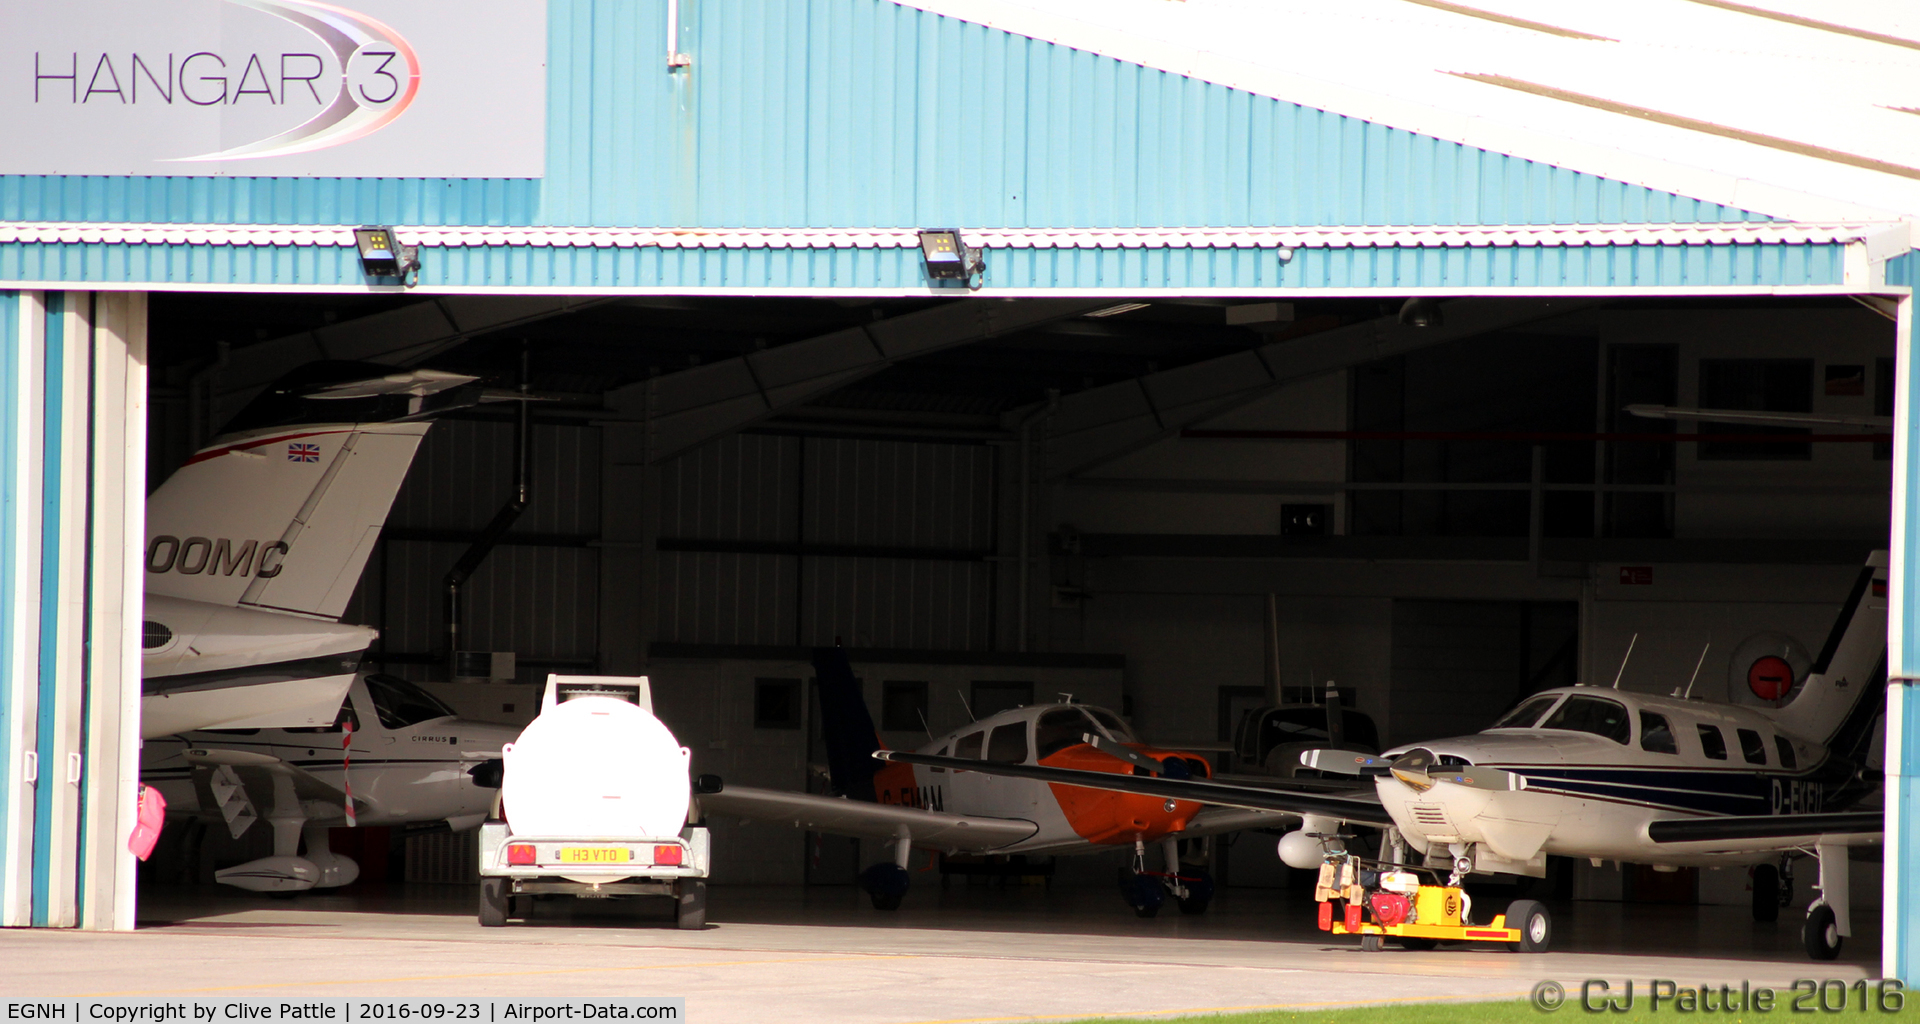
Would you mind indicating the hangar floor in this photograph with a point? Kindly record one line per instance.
(792, 953)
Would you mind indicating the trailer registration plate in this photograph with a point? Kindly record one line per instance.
(595, 855)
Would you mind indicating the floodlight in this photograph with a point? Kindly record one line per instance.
(947, 257)
(1422, 311)
(381, 255)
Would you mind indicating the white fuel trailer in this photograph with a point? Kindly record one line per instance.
(595, 795)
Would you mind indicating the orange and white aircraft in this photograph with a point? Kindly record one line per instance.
(961, 811)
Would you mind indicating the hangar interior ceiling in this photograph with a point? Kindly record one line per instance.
(1095, 497)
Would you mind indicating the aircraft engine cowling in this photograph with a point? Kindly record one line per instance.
(596, 766)
(1302, 851)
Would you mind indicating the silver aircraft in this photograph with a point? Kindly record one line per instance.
(1604, 774)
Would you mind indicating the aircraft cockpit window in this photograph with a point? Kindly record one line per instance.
(1752, 747)
(1524, 716)
(968, 747)
(1785, 750)
(1008, 744)
(400, 703)
(1059, 729)
(1116, 729)
(1712, 743)
(1597, 715)
(1656, 735)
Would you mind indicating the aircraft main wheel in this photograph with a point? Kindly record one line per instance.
(1409, 942)
(1536, 928)
(1766, 892)
(887, 900)
(1371, 944)
(1821, 934)
(493, 902)
(1143, 893)
(690, 911)
(886, 883)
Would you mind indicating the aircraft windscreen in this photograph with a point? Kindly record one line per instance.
(400, 703)
(1116, 729)
(1596, 715)
(1524, 716)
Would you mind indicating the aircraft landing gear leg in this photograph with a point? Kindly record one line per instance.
(1190, 886)
(886, 884)
(1142, 891)
(1829, 921)
(1462, 862)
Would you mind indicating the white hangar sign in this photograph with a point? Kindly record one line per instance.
(358, 88)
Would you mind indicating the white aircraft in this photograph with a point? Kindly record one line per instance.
(960, 811)
(1605, 774)
(399, 752)
(255, 545)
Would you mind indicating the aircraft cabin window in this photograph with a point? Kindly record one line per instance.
(1712, 743)
(1526, 714)
(968, 746)
(1059, 729)
(1656, 735)
(1008, 744)
(1752, 747)
(1785, 750)
(400, 703)
(1597, 715)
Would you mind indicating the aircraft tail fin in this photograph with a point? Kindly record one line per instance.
(846, 725)
(281, 511)
(1851, 666)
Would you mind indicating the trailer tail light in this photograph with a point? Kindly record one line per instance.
(667, 855)
(520, 853)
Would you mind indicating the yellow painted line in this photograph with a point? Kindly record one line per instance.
(1491, 997)
(487, 974)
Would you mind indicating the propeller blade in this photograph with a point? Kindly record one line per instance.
(1344, 762)
(1127, 754)
(1480, 778)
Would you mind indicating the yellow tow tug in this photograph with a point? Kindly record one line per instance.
(1380, 901)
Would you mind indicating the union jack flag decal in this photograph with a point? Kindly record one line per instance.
(303, 453)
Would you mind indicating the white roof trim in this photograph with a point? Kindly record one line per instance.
(1662, 157)
(1881, 239)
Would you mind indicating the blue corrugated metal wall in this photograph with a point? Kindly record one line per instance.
(854, 113)
(1674, 266)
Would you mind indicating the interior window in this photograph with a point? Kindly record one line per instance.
(968, 746)
(1785, 750)
(1009, 744)
(1752, 747)
(1528, 713)
(1295, 725)
(1597, 715)
(1116, 729)
(1713, 743)
(1059, 729)
(1656, 735)
(399, 703)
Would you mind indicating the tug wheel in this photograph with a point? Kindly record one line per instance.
(1535, 927)
(1371, 944)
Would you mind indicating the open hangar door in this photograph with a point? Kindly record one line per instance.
(1441, 507)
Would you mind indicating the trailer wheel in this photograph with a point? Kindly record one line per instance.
(690, 907)
(1821, 934)
(493, 902)
(1536, 928)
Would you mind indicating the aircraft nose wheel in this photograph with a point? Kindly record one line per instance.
(1536, 928)
(1821, 933)
(1766, 892)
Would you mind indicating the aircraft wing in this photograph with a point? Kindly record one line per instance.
(1218, 821)
(264, 778)
(1363, 810)
(1760, 833)
(839, 816)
